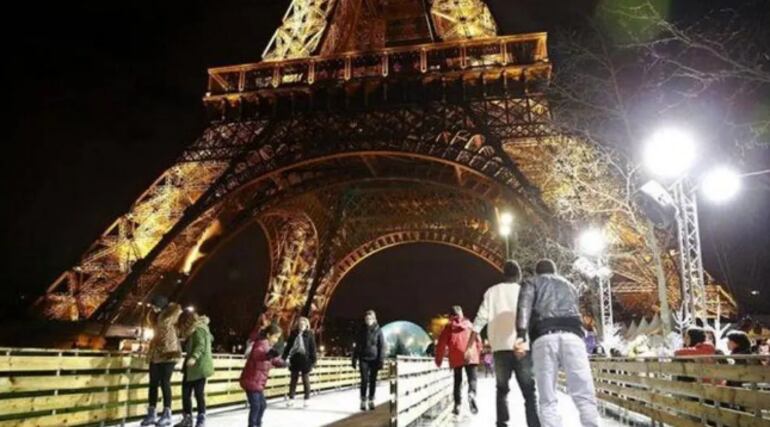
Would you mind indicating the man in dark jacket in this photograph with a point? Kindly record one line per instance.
(548, 311)
(369, 356)
(300, 351)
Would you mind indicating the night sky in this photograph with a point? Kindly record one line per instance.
(101, 97)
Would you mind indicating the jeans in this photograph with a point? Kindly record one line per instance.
(368, 370)
(257, 405)
(197, 386)
(160, 375)
(507, 363)
(305, 383)
(470, 372)
(567, 351)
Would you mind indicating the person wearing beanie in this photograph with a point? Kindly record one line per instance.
(497, 313)
(454, 338)
(549, 316)
(163, 353)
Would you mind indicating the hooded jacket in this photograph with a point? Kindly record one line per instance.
(198, 347)
(455, 338)
(370, 345)
(257, 369)
(164, 346)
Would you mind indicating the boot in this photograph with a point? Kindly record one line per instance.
(200, 421)
(371, 404)
(165, 418)
(186, 421)
(363, 404)
(149, 419)
(456, 409)
(472, 403)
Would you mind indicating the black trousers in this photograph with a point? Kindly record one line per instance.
(199, 387)
(160, 376)
(305, 383)
(368, 370)
(506, 363)
(470, 372)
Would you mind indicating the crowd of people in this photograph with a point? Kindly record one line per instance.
(533, 326)
(176, 330)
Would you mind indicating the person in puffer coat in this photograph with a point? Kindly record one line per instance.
(198, 365)
(262, 357)
(300, 352)
(163, 353)
(369, 357)
(455, 338)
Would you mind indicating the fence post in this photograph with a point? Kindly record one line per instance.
(393, 367)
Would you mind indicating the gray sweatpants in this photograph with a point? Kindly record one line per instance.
(566, 351)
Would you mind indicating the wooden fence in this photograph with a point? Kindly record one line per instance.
(688, 392)
(73, 388)
(421, 393)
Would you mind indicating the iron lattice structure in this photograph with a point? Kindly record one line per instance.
(369, 124)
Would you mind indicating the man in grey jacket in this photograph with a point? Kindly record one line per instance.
(548, 310)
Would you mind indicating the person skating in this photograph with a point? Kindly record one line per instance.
(369, 357)
(163, 353)
(548, 311)
(454, 338)
(498, 313)
(261, 358)
(300, 352)
(198, 365)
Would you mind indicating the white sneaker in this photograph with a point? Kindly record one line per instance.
(290, 403)
(304, 403)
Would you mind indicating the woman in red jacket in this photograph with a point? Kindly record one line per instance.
(455, 337)
(262, 358)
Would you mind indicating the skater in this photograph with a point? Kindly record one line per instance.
(300, 352)
(163, 353)
(498, 313)
(455, 337)
(369, 357)
(198, 365)
(548, 311)
(261, 359)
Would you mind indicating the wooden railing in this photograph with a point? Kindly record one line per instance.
(419, 391)
(70, 388)
(523, 50)
(688, 392)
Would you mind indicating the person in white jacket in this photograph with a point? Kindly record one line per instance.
(498, 313)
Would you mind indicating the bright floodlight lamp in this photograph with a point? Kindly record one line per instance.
(592, 242)
(669, 152)
(505, 230)
(720, 184)
(657, 204)
(506, 218)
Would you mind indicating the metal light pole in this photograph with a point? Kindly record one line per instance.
(592, 244)
(690, 259)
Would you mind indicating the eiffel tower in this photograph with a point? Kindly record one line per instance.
(368, 124)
